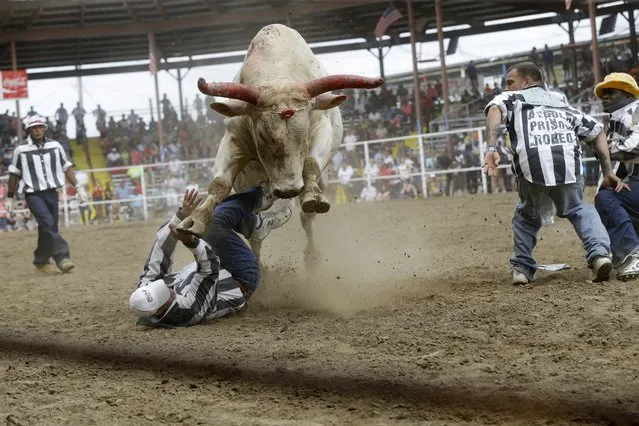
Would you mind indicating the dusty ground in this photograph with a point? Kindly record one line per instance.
(408, 319)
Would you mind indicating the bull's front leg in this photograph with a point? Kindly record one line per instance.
(199, 220)
(312, 199)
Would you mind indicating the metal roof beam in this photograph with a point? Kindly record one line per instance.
(243, 16)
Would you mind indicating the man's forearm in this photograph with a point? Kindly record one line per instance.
(601, 146)
(493, 122)
(13, 183)
(70, 174)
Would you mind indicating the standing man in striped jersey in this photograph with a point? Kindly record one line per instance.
(544, 135)
(619, 211)
(38, 169)
(225, 272)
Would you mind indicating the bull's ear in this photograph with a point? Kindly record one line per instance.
(230, 108)
(328, 101)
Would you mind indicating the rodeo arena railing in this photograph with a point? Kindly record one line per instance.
(147, 191)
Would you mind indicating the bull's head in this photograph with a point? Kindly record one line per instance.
(281, 117)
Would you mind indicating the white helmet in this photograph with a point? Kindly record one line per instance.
(36, 120)
(145, 301)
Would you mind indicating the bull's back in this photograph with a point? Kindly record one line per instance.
(279, 53)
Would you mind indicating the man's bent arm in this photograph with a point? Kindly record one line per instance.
(601, 146)
(493, 122)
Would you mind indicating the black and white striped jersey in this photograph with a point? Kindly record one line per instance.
(39, 167)
(545, 134)
(623, 136)
(203, 290)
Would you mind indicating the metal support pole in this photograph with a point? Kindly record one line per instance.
(14, 62)
(482, 154)
(151, 108)
(380, 57)
(157, 96)
(573, 51)
(368, 164)
(633, 34)
(417, 100)
(65, 206)
(592, 12)
(143, 185)
(80, 89)
(442, 55)
(179, 80)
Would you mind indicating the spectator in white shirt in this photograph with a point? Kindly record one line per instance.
(114, 158)
(369, 193)
(344, 174)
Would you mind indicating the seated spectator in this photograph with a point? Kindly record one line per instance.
(123, 192)
(113, 158)
(368, 194)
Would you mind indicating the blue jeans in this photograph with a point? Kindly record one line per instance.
(619, 212)
(44, 207)
(568, 200)
(232, 216)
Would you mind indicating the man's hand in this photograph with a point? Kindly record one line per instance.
(612, 181)
(491, 161)
(186, 238)
(191, 200)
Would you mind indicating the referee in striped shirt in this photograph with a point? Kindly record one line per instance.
(38, 169)
(545, 135)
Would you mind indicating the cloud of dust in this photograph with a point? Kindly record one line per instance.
(359, 267)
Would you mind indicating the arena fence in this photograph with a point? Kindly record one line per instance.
(156, 188)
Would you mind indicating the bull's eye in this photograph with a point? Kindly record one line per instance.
(287, 113)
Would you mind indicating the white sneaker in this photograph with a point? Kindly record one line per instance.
(629, 268)
(601, 269)
(269, 221)
(519, 278)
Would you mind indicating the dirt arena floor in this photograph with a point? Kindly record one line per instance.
(409, 318)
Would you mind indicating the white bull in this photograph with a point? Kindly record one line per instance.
(282, 126)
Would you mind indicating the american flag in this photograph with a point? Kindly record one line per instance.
(390, 15)
(568, 3)
(153, 57)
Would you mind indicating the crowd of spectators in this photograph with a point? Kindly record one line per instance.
(392, 170)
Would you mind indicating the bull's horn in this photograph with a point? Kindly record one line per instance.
(336, 82)
(229, 90)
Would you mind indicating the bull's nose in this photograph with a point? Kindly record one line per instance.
(287, 193)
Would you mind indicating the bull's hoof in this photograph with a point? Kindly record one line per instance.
(192, 226)
(309, 202)
(323, 206)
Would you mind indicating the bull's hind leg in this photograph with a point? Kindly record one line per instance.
(312, 198)
(311, 254)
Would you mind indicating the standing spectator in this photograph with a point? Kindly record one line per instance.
(31, 112)
(108, 196)
(166, 106)
(198, 104)
(40, 186)
(349, 141)
(534, 56)
(61, 117)
(100, 122)
(78, 113)
(565, 62)
(344, 174)
(549, 64)
(471, 73)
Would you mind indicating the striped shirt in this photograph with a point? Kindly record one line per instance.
(203, 291)
(623, 136)
(545, 134)
(40, 167)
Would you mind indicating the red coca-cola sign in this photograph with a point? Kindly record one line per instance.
(14, 84)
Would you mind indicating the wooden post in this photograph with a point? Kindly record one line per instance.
(14, 61)
(442, 55)
(592, 11)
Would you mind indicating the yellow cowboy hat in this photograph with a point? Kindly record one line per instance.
(618, 80)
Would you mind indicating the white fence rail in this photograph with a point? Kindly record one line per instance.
(160, 186)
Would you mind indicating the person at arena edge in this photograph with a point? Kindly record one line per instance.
(225, 272)
(544, 134)
(38, 170)
(619, 211)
